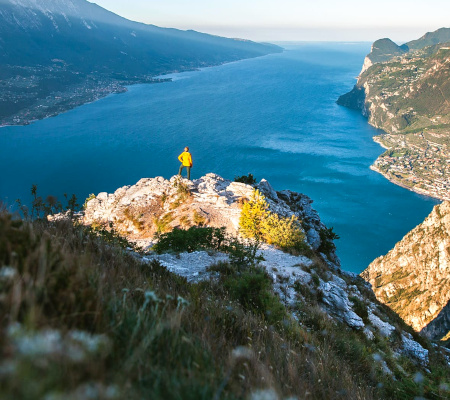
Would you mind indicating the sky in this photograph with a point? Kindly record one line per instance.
(292, 20)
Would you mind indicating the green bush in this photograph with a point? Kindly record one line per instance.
(91, 197)
(326, 240)
(285, 233)
(192, 239)
(241, 254)
(253, 290)
(360, 308)
(248, 179)
(253, 216)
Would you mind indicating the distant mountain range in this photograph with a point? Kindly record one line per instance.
(52, 47)
(385, 49)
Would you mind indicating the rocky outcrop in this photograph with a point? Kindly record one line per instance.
(414, 277)
(157, 204)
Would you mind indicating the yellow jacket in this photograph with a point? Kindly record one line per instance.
(186, 159)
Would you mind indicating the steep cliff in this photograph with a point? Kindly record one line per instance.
(405, 91)
(414, 277)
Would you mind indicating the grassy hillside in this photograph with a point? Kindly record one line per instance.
(83, 318)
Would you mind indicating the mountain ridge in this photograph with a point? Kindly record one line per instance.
(56, 55)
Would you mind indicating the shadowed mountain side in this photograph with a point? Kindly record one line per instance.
(413, 278)
(440, 326)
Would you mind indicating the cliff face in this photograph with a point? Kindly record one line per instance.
(405, 91)
(414, 278)
(382, 50)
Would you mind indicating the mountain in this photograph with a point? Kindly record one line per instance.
(49, 48)
(382, 50)
(430, 39)
(201, 313)
(385, 49)
(414, 277)
(405, 91)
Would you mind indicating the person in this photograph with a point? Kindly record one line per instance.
(186, 162)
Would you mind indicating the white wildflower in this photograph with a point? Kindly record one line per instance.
(266, 394)
(7, 274)
(242, 352)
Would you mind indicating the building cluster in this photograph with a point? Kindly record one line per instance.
(423, 166)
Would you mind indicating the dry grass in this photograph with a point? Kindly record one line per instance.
(168, 339)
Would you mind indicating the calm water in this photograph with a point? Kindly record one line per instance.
(274, 116)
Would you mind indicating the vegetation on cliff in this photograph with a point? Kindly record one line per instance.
(405, 91)
(84, 317)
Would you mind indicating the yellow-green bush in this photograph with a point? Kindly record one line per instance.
(253, 215)
(282, 232)
(257, 222)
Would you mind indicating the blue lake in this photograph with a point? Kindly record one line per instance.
(273, 116)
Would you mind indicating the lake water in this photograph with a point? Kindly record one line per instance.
(273, 116)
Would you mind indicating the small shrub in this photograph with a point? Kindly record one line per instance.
(89, 198)
(198, 219)
(360, 308)
(253, 215)
(315, 278)
(243, 255)
(253, 289)
(285, 233)
(326, 240)
(163, 222)
(248, 179)
(257, 222)
(192, 239)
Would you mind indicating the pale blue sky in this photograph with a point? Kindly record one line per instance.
(270, 20)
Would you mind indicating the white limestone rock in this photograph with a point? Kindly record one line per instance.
(338, 304)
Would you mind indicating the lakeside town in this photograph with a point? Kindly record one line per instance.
(419, 162)
(32, 93)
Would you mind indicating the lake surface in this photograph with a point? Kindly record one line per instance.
(273, 116)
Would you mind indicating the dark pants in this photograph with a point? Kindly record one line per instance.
(188, 171)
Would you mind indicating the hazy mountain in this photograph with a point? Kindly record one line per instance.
(90, 37)
(70, 42)
(429, 39)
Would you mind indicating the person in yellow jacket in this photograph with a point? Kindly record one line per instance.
(186, 162)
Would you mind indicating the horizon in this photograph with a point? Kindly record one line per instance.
(291, 21)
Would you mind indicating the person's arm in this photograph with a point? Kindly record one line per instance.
(180, 158)
(190, 160)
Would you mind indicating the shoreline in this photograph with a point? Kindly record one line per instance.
(422, 192)
(122, 88)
